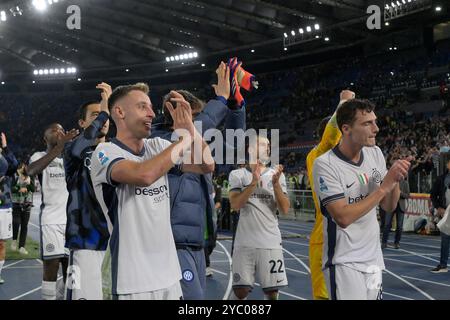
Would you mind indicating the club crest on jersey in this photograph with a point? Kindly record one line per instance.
(322, 185)
(376, 175)
(188, 275)
(102, 157)
(363, 178)
(50, 247)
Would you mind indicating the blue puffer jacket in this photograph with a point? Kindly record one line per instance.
(189, 192)
(8, 167)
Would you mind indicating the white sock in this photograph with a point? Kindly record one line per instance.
(2, 262)
(233, 296)
(60, 288)
(48, 290)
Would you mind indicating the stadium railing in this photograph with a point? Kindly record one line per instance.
(302, 205)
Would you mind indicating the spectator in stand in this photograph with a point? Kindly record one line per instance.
(440, 198)
(399, 213)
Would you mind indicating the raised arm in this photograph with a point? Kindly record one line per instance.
(9, 156)
(201, 159)
(332, 134)
(145, 173)
(281, 198)
(386, 195)
(216, 110)
(38, 166)
(238, 199)
(400, 172)
(91, 133)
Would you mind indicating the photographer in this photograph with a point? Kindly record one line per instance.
(22, 197)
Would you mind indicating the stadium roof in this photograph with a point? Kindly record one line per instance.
(142, 34)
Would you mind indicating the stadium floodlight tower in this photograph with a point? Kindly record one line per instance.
(40, 5)
(394, 9)
(301, 35)
(56, 73)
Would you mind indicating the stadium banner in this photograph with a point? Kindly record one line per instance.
(418, 205)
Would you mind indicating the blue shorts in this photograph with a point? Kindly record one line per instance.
(193, 268)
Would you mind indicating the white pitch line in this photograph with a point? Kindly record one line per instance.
(291, 295)
(220, 261)
(421, 245)
(30, 292)
(418, 255)
(410, 255)
(396, 295)
(230, 278)
(410, 284)
(429, 281)
(295, 270)
(412, 263)
(27, 293)
(285, 293)
(12, 264)
(220, 272)
(289, 232)
(297, 259)
(290, 259)
(34, 225)
(297, 243)
(218, 251)
(29, 267)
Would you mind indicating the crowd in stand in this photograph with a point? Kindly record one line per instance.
(288, 100)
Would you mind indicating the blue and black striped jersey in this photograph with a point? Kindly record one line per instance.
(86, 224)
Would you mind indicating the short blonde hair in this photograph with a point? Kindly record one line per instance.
(122, 91)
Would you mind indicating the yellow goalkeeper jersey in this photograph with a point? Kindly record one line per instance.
(329, 140)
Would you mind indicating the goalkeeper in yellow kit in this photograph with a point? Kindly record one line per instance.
(329, 137)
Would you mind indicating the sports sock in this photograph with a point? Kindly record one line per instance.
(48, 290)
(2, 262)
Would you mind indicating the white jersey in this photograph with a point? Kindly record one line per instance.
(54, 191)
(336, 177)
(258, 222)
(143, 252)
